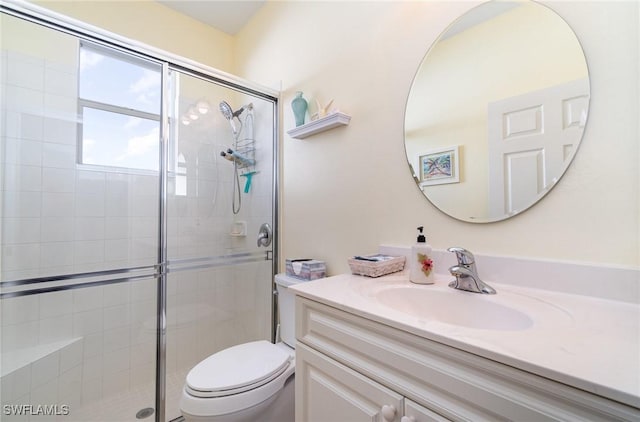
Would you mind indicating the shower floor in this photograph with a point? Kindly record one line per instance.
(123, 407)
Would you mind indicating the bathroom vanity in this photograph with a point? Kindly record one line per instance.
(385, 349)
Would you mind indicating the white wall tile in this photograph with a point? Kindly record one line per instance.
(116, 339)
(143, 291)
(31, 127)
(116, 227)
(55, 329)
(24, 100)
(143, 354)
(16, 384)
(16, 310)
(89, 228)
(143, 374)
(91, 370)
(88, 299)
(22, 178)
(88, 252)
(70, 387)
(90, 205)
(87, 322)
(63, 108)
(93, 345)
(116, 206)
(26, 73)
(21, 151)
(22, 204)
(20, 230)
(116, 316)
(45, 369)
(19, 336)
(115, 383)
(116, 250)
(142, 206)
(57, 229)
(116, 294)
(56, 255)
(90, 182)
(71, 356)
(60, 131)
(116, 361)
(57, 154)
(60, 82)
(20, 256)
(56, 303)
(58, 180)
(91, 390)
(57, 204)
(45, 394)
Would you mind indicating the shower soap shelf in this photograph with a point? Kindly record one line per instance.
(316, 126)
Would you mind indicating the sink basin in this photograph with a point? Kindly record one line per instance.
(453, 307)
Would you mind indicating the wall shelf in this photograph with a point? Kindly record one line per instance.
(328, 122)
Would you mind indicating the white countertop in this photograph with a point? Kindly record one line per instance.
(589, 343)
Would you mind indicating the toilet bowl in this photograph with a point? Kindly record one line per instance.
(248, 382)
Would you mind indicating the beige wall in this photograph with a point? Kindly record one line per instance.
(349, 189)
(151, 23)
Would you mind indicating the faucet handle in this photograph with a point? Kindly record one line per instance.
(463, 256)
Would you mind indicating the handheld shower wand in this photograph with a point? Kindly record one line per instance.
(231, 115)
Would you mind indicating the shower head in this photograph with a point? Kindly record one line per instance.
(226, 110)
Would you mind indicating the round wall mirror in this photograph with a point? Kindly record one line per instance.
(496, 111)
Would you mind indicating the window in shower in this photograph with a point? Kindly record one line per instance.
(119, 108)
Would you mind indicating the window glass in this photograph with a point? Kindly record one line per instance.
(119, 80)
(119, 104)
(113, 139)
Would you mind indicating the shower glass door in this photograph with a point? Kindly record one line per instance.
(79, 215)
(219, 287)
(130, 247)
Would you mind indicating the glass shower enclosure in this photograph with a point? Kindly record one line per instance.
(133, 189)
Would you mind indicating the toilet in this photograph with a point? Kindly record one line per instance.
(248, 382)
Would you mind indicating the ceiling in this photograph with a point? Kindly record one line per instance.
(228, 16)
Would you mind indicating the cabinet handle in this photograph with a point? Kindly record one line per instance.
(408, 419)
(388, 412)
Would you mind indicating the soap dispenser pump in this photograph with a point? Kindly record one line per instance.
(421, 270)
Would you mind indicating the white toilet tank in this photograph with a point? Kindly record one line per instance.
(287, 308)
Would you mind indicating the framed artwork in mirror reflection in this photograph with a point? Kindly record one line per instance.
(439, 166)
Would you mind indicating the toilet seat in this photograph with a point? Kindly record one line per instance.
(237, 369)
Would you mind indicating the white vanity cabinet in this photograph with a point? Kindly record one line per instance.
(351, 368)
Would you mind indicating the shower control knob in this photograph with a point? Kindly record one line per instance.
(264, 235)
(388, 412)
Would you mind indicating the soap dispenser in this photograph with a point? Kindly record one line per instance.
(421, 270)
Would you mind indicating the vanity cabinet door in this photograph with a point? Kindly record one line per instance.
(413, 412)
(329, 391)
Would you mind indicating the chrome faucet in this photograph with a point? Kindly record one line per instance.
(466, 274)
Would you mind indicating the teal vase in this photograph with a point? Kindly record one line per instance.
(299, 106)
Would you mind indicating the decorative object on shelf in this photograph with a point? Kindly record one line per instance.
(299, 106)
(329, 122)
(322, 111)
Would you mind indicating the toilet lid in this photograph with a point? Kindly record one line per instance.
(238, 367)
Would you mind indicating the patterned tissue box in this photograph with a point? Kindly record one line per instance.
(306, 269)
